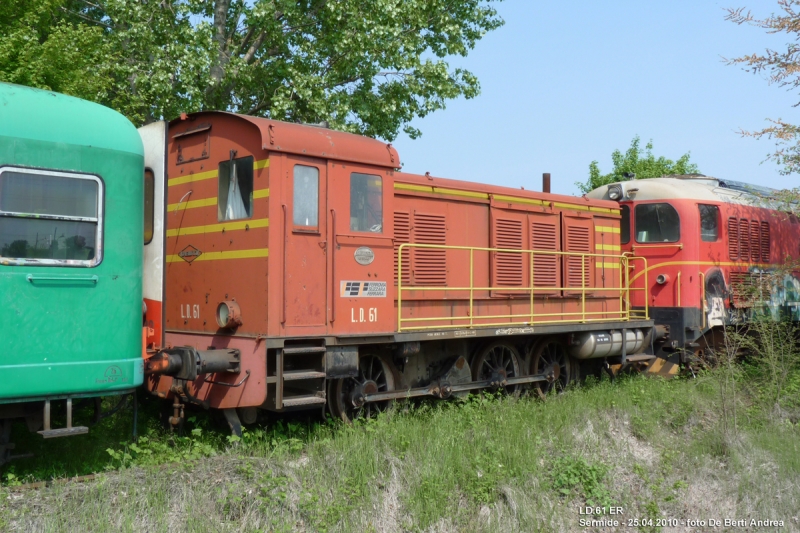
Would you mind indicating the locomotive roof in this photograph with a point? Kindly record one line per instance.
(314, 141)
(468, 189)
(693, 187)
(46, 116)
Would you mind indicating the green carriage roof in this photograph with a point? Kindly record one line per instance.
(52, 117)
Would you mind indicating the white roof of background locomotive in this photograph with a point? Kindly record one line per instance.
(693, 187)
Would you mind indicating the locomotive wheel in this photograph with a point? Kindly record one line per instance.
(548, 352)
(375, 374)
(496, 362)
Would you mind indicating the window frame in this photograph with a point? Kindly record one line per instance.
(636, 226)
(719, 220)
(300, 228)
(251, 210)
(149, 216)
(99, 220)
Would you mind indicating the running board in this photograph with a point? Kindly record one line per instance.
(68, 431)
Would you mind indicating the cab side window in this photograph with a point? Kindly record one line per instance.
(709, 222)
(625, 224)
(657, 223)
(366, 203)
(149, 204)
(235, 195)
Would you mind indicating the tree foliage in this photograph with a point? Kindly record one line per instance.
(782, 68)
(366, 66)
(635, 161)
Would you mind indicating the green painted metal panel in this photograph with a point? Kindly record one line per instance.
(79, 331)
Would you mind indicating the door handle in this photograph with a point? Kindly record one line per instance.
(63, 279)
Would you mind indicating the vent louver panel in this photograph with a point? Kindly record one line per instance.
(545, 267)
(402, 235)
(744, 287)
(765, 242)
(744, 239)
(578, 268)
(429, 265)
(733, 239)
(755, 241)
(508, 266)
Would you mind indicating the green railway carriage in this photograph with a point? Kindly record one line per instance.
(71, 233)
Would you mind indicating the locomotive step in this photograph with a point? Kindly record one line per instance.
(63, 432)
(303, 400)
(304, 349)
(294, 375)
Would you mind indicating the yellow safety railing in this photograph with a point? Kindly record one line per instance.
(624, 262)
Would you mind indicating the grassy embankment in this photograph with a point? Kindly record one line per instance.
(724, 445)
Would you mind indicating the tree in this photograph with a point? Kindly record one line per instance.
(365, 66)
(783, 69)
(642, 163)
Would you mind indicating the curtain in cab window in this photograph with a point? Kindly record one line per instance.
(235, 195)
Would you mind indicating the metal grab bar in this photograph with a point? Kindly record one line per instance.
(583, 315)
(65, 279)
(679, 246)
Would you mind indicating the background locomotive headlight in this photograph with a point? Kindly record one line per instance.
(615, 192)
(228, 314)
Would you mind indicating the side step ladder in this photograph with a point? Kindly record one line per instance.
(299, 376)
(68, 431)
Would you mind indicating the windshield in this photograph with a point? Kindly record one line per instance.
(657, 223)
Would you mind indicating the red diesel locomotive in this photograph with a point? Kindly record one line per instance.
(302, 270)
(711, 248)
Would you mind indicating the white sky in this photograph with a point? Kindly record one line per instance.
(565, 83)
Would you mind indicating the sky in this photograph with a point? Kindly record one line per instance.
(567, 83)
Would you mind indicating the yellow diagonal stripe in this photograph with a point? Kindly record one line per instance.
(192, 204)
(233, 254)
(485, 196)
(191, 178)
(205, 202)
(227, 226)
(200, 176)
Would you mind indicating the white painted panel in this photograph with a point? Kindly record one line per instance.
(154, 139)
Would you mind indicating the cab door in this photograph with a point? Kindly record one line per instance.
(305, 246)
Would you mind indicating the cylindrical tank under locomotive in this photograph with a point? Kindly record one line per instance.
(711, 248)
(70, 256)
(335, 281)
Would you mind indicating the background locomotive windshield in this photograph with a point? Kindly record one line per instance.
(566, 83)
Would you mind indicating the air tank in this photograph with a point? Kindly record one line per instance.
(592, 344)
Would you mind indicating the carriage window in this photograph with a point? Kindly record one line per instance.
(235, 196)
(149, 204)
(657, 223)
(50, 217)
(625, 224)
(306, 196)
(709, 216)
(366, 203)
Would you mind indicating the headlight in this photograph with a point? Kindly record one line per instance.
(615, 192)
(228, 315)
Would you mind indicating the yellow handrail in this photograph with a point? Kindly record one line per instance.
(604, 261)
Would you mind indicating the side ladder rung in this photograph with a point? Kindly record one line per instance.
(303, 400)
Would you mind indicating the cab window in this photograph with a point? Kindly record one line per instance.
(235, 195)
(366, 203)
(50, 217)
(625, 224)
(657, 223)
(709, 225)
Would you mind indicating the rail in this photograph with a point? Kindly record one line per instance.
(467, 294)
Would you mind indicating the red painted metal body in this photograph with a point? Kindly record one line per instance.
(327, 271)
